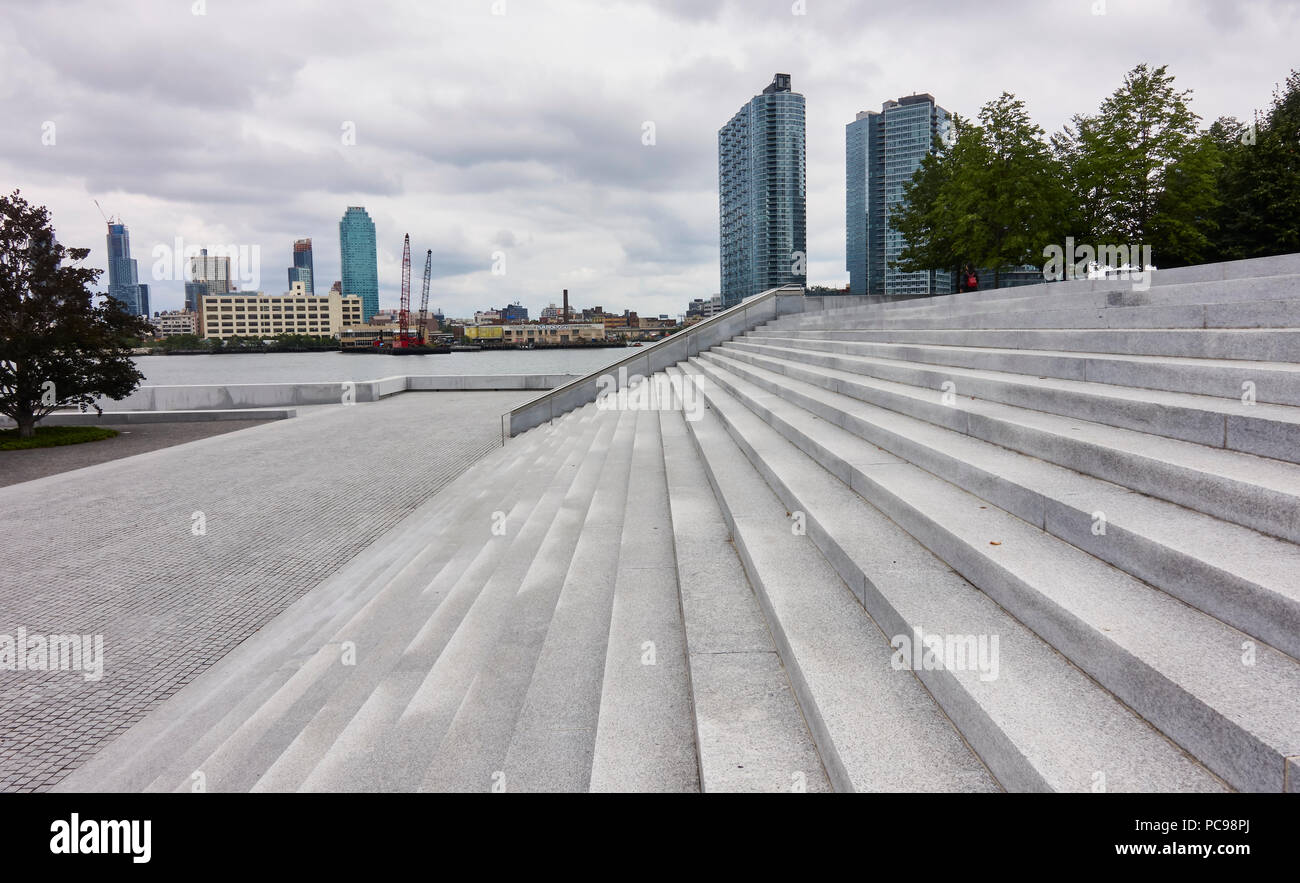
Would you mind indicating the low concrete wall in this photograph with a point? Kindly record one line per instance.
(704, 335)
(112, 418)
(269, 395)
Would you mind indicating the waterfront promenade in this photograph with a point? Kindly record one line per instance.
(111, 549)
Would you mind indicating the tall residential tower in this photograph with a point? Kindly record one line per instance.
(123, 278)
(359, 259)
(882, 152)
(301, 271)
(762, 194)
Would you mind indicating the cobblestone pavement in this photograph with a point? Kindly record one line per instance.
(136, 438)
(112, 550)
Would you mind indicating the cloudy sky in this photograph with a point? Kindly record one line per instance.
(516, 126)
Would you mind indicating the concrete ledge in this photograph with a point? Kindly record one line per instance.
(121, 417)
(207, 397)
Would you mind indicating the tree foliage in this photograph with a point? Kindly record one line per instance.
(992, 197)
(58, 348)
(1139, 171)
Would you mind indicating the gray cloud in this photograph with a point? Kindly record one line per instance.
(524, 132)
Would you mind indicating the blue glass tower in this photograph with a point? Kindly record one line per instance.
(762, 194)
(360, 263)
(123, 280)
(301, 271)
(882, 152)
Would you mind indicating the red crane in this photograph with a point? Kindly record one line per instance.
(404, 315)
(424, 298)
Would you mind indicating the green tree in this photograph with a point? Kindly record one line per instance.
(994, 198)
(1140, 171)
(1259, 178)
(185, 342)
(57, 348)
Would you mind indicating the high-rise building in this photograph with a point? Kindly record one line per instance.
(123, 278)
(882, 152)
(359, 259)
(144, 298)
(301, 271)
(209, 274)
(762, 194)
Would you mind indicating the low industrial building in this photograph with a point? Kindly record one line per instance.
(253, 314)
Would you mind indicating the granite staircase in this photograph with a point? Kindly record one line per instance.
(1028, 539)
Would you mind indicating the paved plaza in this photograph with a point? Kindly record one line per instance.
(119, 549)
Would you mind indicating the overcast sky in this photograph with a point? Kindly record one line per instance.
(478, 132)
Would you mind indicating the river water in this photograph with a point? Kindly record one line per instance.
(331, 366)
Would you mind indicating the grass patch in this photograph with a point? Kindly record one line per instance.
(53, 436)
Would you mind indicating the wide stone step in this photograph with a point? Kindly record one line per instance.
(472, 754)
(645, 735)
(215, 704)
(1238, 575)
(388, 742)
(1251, 491)
(1232, 302)
(876, 727)
(1265, 430)
(1263, 345)
(278, 745)
(1272, 382)
(749, 730)
(1233, 703)
(554, 736)
(1067, 315)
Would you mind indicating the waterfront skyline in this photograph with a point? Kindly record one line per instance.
(515, 147)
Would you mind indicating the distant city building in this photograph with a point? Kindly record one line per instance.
(254, 314)
(882, 152)
(359, 259)
(762, 194)
(551, 313)
(487, 317)
(546, 335)
(144, 298)
(515, 313)
(301, 271)
(123, 279)
(209, 274)
(174, 322)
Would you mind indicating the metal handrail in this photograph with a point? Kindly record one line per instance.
(741, 308)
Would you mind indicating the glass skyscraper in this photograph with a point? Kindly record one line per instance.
(360, 263)
(301, 271)
(762, 194)
(123, 279)
(882, 152)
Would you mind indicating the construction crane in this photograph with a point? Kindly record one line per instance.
(107, 220)
(424, 297)
(404, 315)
